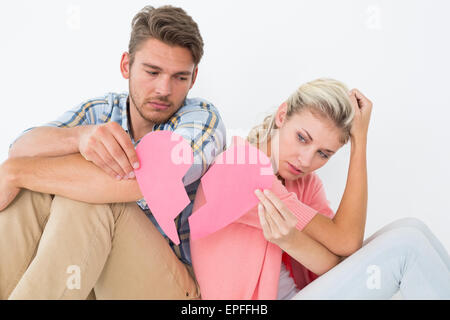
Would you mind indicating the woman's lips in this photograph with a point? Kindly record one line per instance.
(294, 170)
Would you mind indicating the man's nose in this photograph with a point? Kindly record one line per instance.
(163, 86)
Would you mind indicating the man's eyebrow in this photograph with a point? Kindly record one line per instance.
(151, 66)
(310, 138)
(185, 73)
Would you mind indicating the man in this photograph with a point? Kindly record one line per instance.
(85, 225)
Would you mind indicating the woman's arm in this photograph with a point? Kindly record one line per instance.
(279, 227)
(310, 253)
(344, 234)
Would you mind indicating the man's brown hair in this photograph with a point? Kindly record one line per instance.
(168, 24)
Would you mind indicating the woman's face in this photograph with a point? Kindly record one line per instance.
(303, 143)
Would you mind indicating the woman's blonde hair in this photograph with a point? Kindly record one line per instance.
(327, 98)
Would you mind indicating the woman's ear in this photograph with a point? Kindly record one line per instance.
(280, 116)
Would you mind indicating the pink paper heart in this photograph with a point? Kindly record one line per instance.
(229, 187)
(164, 158)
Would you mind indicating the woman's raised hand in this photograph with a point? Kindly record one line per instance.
(363, 110)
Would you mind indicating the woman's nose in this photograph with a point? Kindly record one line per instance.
(305, 159)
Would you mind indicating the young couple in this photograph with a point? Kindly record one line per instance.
(74, 224)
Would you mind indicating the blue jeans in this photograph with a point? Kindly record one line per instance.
(404, 255)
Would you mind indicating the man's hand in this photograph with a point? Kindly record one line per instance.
(8, 191)
(109, 147)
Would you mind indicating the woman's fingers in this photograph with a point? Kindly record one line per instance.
(279, 205)
(362, 100)
(263, 221)
(270, 228)
(363, 110)
(354, 101)
(281, 211)
(271, 210)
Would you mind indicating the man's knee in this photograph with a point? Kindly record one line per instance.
(60, 202)
(29, 205)
(29, 197)
(73, 210)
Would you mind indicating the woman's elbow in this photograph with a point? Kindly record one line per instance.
(347, 247)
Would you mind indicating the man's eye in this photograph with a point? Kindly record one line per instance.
(182, 78)
(152, 73)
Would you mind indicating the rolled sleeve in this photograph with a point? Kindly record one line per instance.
(85, 113)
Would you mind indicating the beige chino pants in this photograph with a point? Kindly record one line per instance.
(52, 247)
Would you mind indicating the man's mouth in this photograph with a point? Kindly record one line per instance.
(159, 105)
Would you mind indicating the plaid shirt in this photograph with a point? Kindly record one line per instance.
(198, 121)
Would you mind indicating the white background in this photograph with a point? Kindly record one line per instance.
(55, 54)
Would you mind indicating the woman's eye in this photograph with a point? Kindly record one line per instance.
(301, 138)
(323, 155)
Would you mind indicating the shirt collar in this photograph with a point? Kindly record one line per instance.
(124, 107)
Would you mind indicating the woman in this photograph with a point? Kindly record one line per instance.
(251, 260)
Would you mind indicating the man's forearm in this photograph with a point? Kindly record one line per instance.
(47, 142)
(73, 177)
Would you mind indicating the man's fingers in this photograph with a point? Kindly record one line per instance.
(98, 161)
(118, 154)
(128, 147)
(108, 163)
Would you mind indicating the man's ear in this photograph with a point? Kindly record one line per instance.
(194, 77)
(125, 65)
(280, 116)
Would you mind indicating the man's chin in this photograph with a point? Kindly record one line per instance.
(158, 119)
(156, 116)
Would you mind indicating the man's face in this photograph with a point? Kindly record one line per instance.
(159, 80)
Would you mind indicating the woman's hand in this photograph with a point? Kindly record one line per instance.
(363, 110)
(277, 221)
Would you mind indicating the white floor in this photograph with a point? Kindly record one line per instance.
(397, 296)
